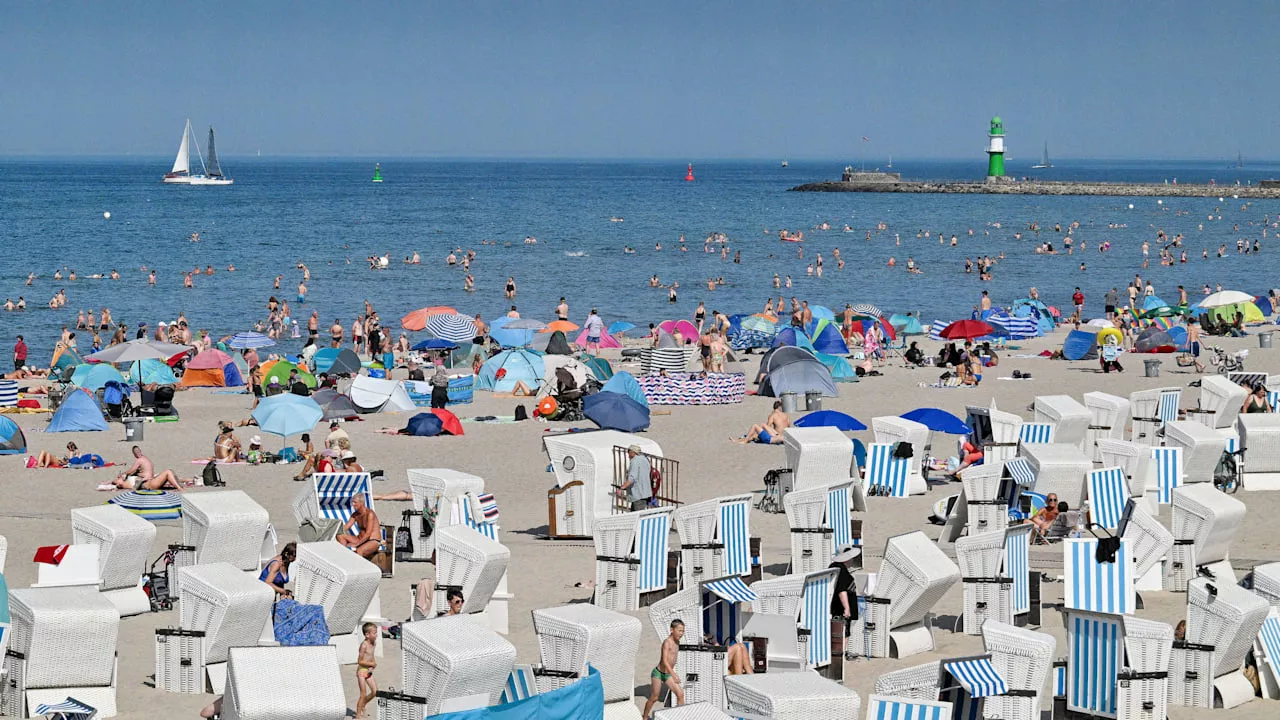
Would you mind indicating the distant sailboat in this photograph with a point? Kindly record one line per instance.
(1044, 159)
(1239, 160)
(890, 165)
(210, 170)
(377, 172)
(785, 163)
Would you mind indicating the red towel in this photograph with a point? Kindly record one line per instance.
(51, 554)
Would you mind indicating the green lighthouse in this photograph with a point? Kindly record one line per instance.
(995, 149)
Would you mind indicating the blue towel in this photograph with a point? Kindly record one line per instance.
(298, 624)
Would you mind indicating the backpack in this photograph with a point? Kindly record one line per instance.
(522, 413)
(211, 475)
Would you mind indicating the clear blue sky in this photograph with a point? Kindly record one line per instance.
(660, 79)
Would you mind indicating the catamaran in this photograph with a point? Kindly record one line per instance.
(1044, 159)
(211, 171)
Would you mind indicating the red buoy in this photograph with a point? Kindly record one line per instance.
(689, 176)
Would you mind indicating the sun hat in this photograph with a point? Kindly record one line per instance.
(634, 449)
(846, 553)
(348, 455)
(255, 440)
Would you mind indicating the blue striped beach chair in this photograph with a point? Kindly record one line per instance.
(1169, 400)
(1021, 471)
(885, 707)
(734, 533)
(1269, 659)
(815, 615)
(1108, 494)
(522, 684)
(1036, 432)
(886, 474)
(1169, 470)
(69, 709)
(1104, 587)
(1273, 399)
(839, 517)
(328, 495)
(1017, 565)
(966, 682)
(722, 601)
(1060, 679)
(631, 557)
(1095, 647)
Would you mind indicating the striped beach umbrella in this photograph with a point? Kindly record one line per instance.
(417, 320)
(247, 340)
(452, 327)
(867, 309)
(150, 504)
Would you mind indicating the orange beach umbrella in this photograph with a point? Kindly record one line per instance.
(417, 320)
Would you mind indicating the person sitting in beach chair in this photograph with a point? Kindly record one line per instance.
(368, 536)
(770, 432)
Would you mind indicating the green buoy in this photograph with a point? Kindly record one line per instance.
(377, 172)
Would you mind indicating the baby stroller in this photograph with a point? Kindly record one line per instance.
(115, 396)
(568, 397)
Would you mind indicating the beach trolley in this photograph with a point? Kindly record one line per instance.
(62, 644)
(914, 576)
(468, 561)
(713, 618)
(1118, 666)
(224, 526)
(439, 494)
(1134, 458)
(715, 539)
(344, 584)
(1223, 620)
(1149, 543)
(1069, 418)
(226, 607)
(1151, 410)
(273, 683)
(821, 520)
(968, 683)
(1205, 523)
(453, 663)
(583, 464)
(893, 429)
(918, 682)
(572, 636)
(1202, 448)
(124, 545)
(1059, 468)
(1023, 658)
(789, 696)
(793, 613)
(1260, 439)
(1108, 416)
(1220, 402)
(633, 560)
(817, 456)
(995, 431)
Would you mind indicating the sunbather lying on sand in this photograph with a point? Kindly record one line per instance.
(141, 476)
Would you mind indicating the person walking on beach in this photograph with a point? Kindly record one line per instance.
(365, 663)
(1193, 342)
(665, 672)
(1077, 299)
(636, 486)
(594, 327)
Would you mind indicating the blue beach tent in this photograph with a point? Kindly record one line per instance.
(827, 339)
(79, 412)
(153, 371)
(792, 337)
(12, 441)
(519, 365)
(510, 338)
(625, 383)
(841, 370)
(1080, 345)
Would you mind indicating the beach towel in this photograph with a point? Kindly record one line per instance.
(51, 554)
(297, 624)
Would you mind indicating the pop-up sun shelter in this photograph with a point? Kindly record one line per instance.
(79, 412)
(513, 366)
(792, 369)
(372, 395)
(1080, 345)
(337, 361)
(12, 441)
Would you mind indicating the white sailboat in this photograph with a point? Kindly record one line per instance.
(210, 170)
(1044, 159)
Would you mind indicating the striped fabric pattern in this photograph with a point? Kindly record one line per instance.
(885, 470)
(488, 528)
(838, 518)
(1273, 399)
(735, 536)
(1108, 494)
(651, 544)
(721, 619)
(1269, 639)
(678, 388)
(1248, 379)
(1017, 565)
(1096, 654)
(977, 676)
(1233, 443)
(1036, 432)
(731, 589)
(1169, 470)
(1019, 469)
(1169, 400)
(670, 359)
(1105, 587)
(521, 684)
(1060, 680)
(8, 393)
(71, 708)
(884, 707)
(150, 504)
(815, 616)
(335, 490)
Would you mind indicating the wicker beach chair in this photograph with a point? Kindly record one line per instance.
(572, 636)
(1059, 469)
(1260, 438)
(224, 526)
(584, 469)
(1220, 402)
(884, 707)
(1223, 620)
(789, 696)
(1266, 582)
(915, 574)
(968, 683)
(1202, 448)
(1117, 665)
(715, 538)
(988, 592)
(817, 456)
(1036, 432)
(821, 520)
(227, 607)
(1069, 418)
(328, 495)
(892, 430)
(124, 546)
(454, 663)
(1108, 416)
(1095, 585)
(1134, 458)
(631, 558)
(804, 639)
(330, 575)
(471, 562)
(918, 682)
(996, 431)
(62, 638)
(283, 683)
(1108, 495)
(886, 474)
(1149, 542)
(440, 492)
(1023, 658)
(1205, 523)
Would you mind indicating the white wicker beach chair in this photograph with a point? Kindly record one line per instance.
(703, 710)
(821, 521)
(455, 663)
(1117, 665)
(1223, 621)
(631, 558)
(918, 682)
(1201, 448)
(332, 576)
(284, 683)
(997, 431)
(124, 546)
(231, 607)
(328, 495)
(789, 696)
(988, 592)
(588, 459)
(890, 707)
(1205, 523)
(1059, 469)
(1266, 582)
(805, 602)
(441, 492)
(1150, 412)
(1260, 438)
(1108, 496)
(1149, 542)
(1109, 414)
(1023, 658)
(1221, 400)
(891, 429)
(1103, 587)
(685, 606)
(224, 526)
(471, 562)
(1267, 655)
(986, 510)
(817, 456)
(1070, 419)
(572, 636)
(1167, 465)
(715, 538)
(968, 683)
(66, 637)
(915, 574)
(1134, 458)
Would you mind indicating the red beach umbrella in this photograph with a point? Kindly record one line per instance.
(966, 330)
(448, 420)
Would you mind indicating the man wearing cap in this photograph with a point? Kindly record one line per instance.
(594, 327)
(142, 330)
(160, 335)
(636, 486)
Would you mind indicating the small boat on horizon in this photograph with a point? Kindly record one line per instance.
(377, 172)
(785, 163)
(210, 170)
(1044, 159)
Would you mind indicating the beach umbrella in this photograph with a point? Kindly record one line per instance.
(449, 422)
(150, 504)
(287, 414)
(966, 330)
(458, 328)
(424, 425)
(1099, 323)
(1224, 298)
(831, 418)
(615, 411)
(435, 344)
(417, 320)
(822, 312)
(141, 349)
(756, 323)
(867, 309)
(247, 340)
(620, 327)
(500, 331)
(1163, 311)
(562, 325)
(95, 377)
(937, 420)
(527, 324)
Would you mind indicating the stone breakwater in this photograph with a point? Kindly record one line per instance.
(1047, 188)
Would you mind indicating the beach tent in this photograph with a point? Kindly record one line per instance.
(688, 331)
(231, 375)
(337, 361)
(792, 337)
(626, 383)
(822, 312)
(666, 340)
(558, 344)
(1152, 302)
(372, 395)
(793, 369)
(65, 357)
(513, 366)
(1264, 304)
(509, 337)
(95, 377)
(597, 365)
(279, 371)
(12, 441)
(209, 360)
(334, 404)
(606, 340)
(826, 339)
(79, 412)
(206, 369)
(1036, 310)
(1252, 314)
(1153, 340)
(906, 324)
(1080, 345)
(841, 370)
(1180, 338)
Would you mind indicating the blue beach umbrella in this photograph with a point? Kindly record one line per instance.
(620, 327)
(246, 340)
(831, 418)
(615, 411)
(424, 425)
(287, 414)
(435, 344)
(150, 504)
(937, 420)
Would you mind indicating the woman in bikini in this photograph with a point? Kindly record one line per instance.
(276, 573)
(48, 460)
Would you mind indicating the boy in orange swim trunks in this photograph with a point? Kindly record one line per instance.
(365, 663)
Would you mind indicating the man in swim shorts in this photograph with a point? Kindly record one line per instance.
(770, 432)
(665, 673)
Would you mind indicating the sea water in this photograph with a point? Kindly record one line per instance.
(329, 215)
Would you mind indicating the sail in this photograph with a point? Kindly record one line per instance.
(1044, 160)
(182, 164)
(211, 167)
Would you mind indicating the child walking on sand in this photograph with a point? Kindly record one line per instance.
(365, 663)
(665, 672)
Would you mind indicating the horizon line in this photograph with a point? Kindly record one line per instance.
(604, 158)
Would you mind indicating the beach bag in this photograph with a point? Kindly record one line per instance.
(522, 413)
(211, 476)
(404, 540)
(299, 625)
(289, 455)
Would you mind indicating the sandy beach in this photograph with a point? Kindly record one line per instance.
(511, 460)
